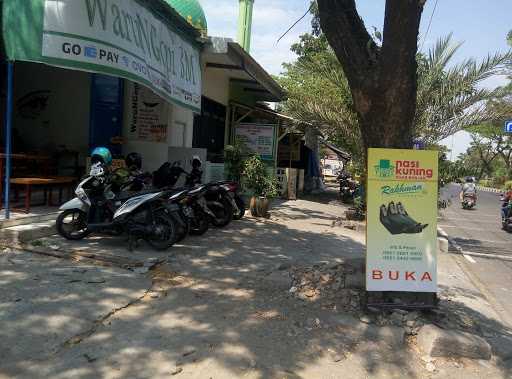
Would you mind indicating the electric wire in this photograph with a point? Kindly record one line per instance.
(429, 25)
(296, 22)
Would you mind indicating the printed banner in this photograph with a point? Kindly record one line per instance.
(258, 138)
(116, 37)
(402, 220)
(148, 116)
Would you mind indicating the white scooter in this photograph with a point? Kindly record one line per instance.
(96, 209)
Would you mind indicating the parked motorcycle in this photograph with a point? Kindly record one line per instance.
(219, 204)
(468, 201)
(194, 210)
(237, 202)
(97, 209)
(348, 188)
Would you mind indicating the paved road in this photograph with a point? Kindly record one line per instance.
(479, 231)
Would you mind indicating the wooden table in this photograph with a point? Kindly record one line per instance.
(44, 159)
(48, 184)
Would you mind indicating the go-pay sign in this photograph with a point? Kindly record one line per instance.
(508, 126)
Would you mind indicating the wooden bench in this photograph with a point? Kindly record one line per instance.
(48, 184)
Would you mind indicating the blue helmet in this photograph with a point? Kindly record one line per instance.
(101, 154)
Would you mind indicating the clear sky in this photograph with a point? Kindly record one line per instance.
(481, 24)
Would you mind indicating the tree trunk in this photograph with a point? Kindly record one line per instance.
(383, 80)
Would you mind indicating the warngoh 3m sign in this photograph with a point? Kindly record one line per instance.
(123, 38)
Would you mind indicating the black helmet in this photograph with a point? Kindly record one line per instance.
(196, 162)
(133, 160)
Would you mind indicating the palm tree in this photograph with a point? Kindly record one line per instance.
(450, 97)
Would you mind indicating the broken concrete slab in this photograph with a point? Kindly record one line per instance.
(390, 335)
(438, 342)
(26, 233)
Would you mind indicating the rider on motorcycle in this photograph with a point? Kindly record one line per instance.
(468, 188)
(505, 209)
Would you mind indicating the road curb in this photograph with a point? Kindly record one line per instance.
(488, 189)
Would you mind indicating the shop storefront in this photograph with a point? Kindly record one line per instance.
(123, 74)
(235, 90)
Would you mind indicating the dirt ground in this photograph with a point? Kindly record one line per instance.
(221, 306)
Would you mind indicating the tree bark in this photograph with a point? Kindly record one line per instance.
(383, 80)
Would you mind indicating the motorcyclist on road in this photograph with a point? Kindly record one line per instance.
(468, 188)
(507, 197)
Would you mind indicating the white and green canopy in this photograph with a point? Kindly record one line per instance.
(141, 40)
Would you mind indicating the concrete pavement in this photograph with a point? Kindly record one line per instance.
(47, 303)
(221, 307)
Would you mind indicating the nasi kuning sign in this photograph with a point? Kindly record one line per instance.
(402, 220)
(123, 38)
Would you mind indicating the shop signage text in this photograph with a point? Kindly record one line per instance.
(122, 38)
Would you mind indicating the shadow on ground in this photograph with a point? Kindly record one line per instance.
(221, 308)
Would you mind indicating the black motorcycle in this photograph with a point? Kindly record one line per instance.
(237, 203)
(212, 198)
(506, 219)
(193, 211)
(349, 188)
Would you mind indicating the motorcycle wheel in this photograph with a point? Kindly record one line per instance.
(223, 213)
(164, 235)
(200, 224)
(72, 224)
(241, 208)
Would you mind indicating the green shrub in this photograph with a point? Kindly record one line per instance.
(485, 182)
(257, 179)
(508, 185)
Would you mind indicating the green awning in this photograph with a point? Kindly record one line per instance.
(145, 41)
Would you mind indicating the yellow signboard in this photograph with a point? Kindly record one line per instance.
(402, 220)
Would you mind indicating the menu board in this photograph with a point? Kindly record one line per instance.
(149, 115)
(258, 138)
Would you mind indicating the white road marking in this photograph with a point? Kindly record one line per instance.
(469, 254)
(484, 255)
(459, 227)
(468, 257)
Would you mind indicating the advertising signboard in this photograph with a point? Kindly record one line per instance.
(123, 38)
(402, 220)
(148, 115)
(258, 138)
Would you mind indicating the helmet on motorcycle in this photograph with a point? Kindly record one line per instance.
(470, 179)
(133, 160)
(196, 161)
(102, 155)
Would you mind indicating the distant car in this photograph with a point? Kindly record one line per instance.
(458, 181)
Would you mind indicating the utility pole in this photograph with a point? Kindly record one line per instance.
(245, 24)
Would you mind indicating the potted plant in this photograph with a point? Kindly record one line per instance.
(263, 185)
